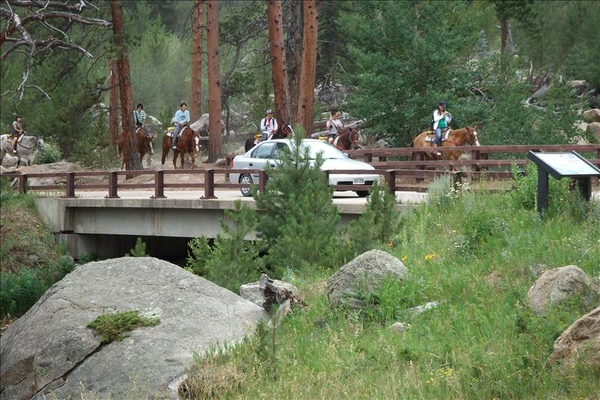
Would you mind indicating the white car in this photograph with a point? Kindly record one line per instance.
(270, 153)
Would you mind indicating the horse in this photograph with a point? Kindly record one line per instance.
(283, 131)
(25, 146)
(253, 141)
(188, 142)
(455, 137)
(347, 140)
(145, 144)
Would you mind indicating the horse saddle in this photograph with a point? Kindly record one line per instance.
(431, 137)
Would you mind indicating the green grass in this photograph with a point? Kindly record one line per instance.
(116, 326)
(477, 255)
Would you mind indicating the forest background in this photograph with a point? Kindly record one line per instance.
(395, 59)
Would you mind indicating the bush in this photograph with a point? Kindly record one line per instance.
(232, 260)
(49, 155)
(298, 225)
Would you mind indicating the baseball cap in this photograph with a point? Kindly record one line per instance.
(269, 111)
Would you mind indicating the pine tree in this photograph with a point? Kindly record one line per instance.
(298, 223)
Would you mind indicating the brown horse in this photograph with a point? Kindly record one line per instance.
(348, 140)
(456, 137)
(283, 131)
(188, 142)
(145, 144)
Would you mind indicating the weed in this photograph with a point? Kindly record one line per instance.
(139, 250)
(116, 326)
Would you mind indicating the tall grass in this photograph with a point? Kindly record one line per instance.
(474, 253)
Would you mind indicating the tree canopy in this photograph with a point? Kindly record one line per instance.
(399, 58)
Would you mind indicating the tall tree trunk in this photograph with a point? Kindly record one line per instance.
(113, 110)
(196, 94)
(505, 45)
(130, 154)
(278, 63)
(214, 80)
(309, 66)
(293, 52)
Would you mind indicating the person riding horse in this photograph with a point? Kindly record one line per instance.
(440, 123)
(181, 119)
(16, 132)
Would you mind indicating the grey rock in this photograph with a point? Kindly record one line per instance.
(592, 115)
(593, 129)
(50, 352)
(364, 274)
(558, 285)
(423, 308)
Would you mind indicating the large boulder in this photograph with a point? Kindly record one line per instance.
(558, 285)
(580, 341)
(592, 115)
(593, 129)
(50, 353)
(364, 274)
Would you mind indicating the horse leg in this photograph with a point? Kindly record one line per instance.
(193, 157)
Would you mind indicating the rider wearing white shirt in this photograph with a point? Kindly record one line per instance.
(268, 125)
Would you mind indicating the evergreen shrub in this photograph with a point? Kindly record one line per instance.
(297, 226)
(49, 155)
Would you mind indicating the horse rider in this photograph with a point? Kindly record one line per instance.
(16, 132)
(441, 120)
(181, 119)
(268, 125)
(139, 115)
(334, 125)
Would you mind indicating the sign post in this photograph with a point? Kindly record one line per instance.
(559, 165)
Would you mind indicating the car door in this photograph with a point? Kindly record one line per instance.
(262, 155)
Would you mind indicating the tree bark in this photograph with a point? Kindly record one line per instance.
(214, 77)
(196, 92)
(130, 155)
(293, 52)
(278, 63)
(309, 66)
(113, 111)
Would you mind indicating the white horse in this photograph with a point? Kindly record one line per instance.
(25, 147)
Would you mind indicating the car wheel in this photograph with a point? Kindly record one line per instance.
(246, 179)
(362, 193)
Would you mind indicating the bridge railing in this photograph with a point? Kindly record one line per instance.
(396, 174)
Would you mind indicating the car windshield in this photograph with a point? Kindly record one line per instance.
(327, 150)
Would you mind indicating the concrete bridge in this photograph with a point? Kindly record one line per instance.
(92, 224)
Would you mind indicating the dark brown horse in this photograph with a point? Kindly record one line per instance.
(145, 144)
(456, 137)
(283, 131)
(188, 142)
(253, 141)
(348, 140)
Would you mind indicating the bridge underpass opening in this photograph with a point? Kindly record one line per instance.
(102, 247)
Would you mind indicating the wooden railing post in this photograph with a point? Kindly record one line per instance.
(113, 181)
(159, 185)
(22, 183)
(390, 180)
(262, 181)
(70, 189)
(209, 184)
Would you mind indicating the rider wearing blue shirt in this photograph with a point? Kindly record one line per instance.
(181, 119)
